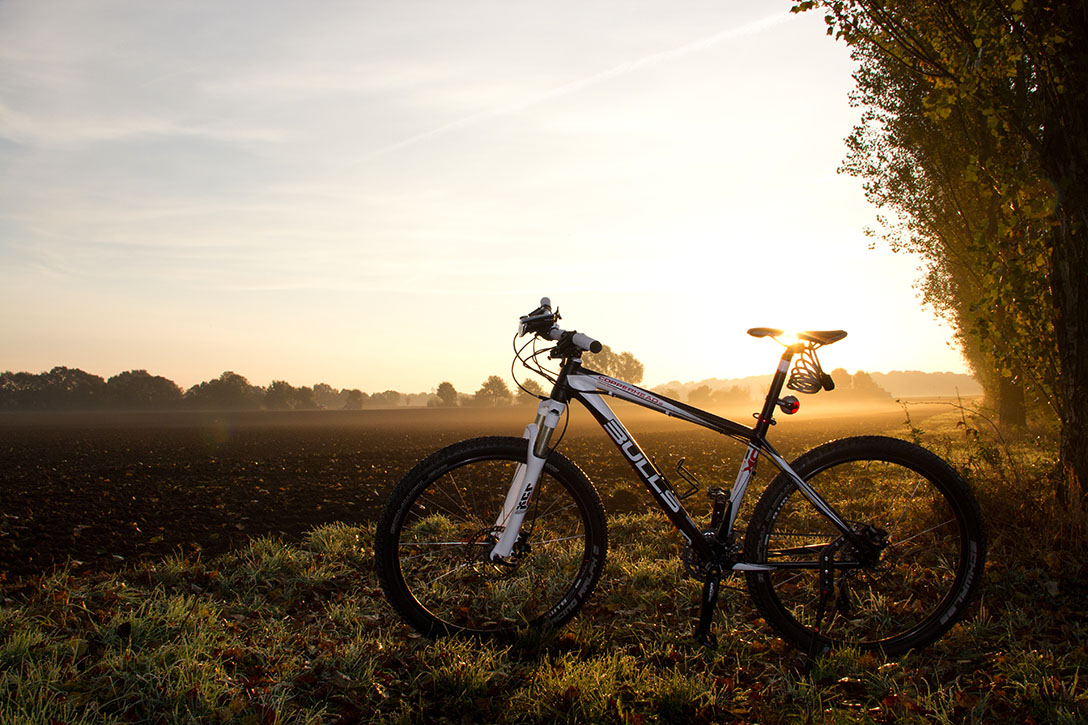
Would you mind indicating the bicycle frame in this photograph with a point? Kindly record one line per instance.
(589, 388)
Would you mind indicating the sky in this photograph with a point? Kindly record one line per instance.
(369, 194)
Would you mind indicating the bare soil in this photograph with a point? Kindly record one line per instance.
(104, 490)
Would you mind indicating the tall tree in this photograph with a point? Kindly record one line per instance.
(354, 399)
(447, 394)
(494, 392)
(936, 175)
(140, 389)
(65, 387)
(230, 391)
(60, 388)
(1024, 65)
(326, 396)
(281, 395)
(623, 365)
(20, 391)
(530, 392)
(385, 399)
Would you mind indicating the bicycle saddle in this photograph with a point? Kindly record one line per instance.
(820, 337)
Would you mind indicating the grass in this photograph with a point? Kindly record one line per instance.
(277, 633)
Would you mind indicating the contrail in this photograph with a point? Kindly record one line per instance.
(578, 85)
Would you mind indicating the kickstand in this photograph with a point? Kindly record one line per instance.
(827, 589)
(706, 612)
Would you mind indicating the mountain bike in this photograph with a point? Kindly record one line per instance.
(868, 541)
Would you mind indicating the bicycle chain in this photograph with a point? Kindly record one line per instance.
(700, 570)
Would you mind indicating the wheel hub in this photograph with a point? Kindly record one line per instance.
(478, 550)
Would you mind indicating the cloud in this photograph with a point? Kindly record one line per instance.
(581, 84)
(41, 129)
(307, 79)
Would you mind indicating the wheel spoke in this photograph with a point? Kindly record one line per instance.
(437, 572)
(907, 585)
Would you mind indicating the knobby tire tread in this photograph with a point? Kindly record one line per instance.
(862, 449)
(434, 466)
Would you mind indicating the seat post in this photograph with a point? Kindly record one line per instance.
(766, 416)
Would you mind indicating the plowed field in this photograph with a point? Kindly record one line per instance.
(104, 490)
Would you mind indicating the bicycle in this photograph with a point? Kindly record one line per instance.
(867, 541)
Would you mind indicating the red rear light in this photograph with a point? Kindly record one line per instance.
(789, 405)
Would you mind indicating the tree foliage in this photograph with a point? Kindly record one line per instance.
(354, 399)
(385, 399)
(859, 386)
(940, 177)
(230, 391)
(704, 395)
(60, 388)
(281, 395)
(1016, 74)
(64, 388)
(623, 365)
(493, 393)
(447, 394)
(138, 389)
(530, 392)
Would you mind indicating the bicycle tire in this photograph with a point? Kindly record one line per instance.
(437, 527)
(925, 577)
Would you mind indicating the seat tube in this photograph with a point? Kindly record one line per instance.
(766, 416)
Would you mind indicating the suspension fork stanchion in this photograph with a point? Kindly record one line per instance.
(538, 435)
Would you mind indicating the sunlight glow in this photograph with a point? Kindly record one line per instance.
(788, 338)
(370, 196)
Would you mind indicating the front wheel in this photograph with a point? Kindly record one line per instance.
(911, 582)
(439, 525)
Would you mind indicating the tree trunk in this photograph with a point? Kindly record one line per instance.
(1070, 286)
(1065, 159)
(1011, 410)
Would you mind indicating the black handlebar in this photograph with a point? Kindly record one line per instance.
(541, 321)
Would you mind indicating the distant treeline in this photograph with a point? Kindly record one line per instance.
(853, 388)
(64, 388)
(860, 387)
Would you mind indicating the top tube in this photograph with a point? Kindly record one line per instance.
(583, 381)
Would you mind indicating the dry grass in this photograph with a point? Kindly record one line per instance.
(275, 632)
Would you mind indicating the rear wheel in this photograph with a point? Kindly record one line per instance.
(916, 578)
(439, 526)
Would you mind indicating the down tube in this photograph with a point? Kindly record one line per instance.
(646, 471)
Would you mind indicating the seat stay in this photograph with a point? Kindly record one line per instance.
(587, 386)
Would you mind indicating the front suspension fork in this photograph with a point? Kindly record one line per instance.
(538, 435)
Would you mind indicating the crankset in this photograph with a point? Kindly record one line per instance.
(701, 570)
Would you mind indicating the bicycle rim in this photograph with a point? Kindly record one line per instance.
(907, 598)
(447, 531)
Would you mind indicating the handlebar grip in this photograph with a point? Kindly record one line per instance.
(586, 342)
(582, 342)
